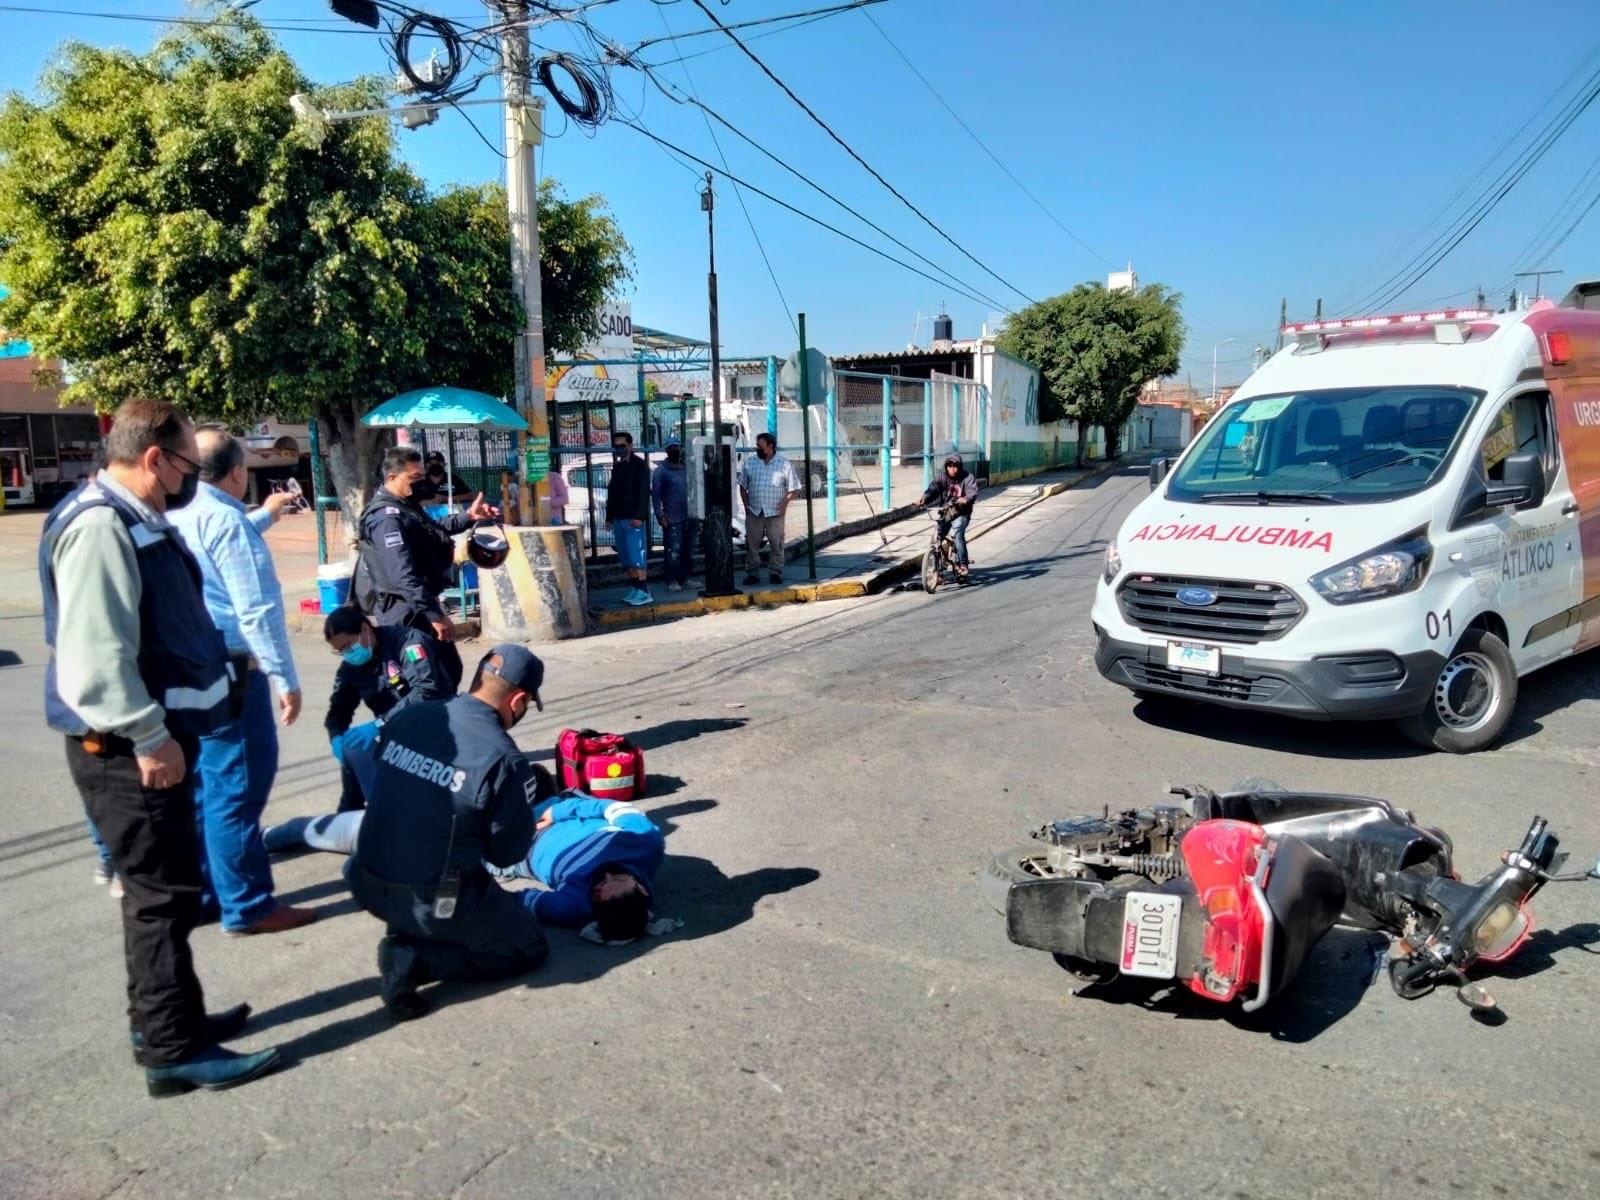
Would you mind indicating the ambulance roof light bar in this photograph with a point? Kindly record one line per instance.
(1449, 326)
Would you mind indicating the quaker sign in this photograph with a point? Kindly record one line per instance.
(606, 381)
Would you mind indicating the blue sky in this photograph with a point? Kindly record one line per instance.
(1239, 153)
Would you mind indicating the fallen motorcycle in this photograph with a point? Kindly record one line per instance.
(1227, 893)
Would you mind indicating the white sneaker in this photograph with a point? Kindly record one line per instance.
(638, 597)
(103, 874)
(674, 587)
(115, 890)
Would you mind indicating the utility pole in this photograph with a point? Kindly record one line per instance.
(522, 134)
(719, 517)
(1283, 319)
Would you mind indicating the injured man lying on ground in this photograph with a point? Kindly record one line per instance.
(598, 860)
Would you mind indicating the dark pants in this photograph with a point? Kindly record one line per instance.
(678, 539)
(492, 935)
(234, 775)
(156, 851)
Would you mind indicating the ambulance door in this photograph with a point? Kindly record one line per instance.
(1577, 412)
(1541, 557)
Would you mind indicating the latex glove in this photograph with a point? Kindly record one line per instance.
(337, 745)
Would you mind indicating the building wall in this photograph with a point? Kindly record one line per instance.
(1018, 443)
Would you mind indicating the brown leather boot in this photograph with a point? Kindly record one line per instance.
(279, 920)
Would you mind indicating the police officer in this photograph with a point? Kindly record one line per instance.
(452, 791)
(138, 673)
(406, 556)
(384, 667)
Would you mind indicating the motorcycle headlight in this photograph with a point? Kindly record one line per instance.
(1389, 570)
(1501, 931)
(1113, 562)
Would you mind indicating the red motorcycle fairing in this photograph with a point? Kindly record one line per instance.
(1228, 862)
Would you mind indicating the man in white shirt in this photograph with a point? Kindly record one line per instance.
(767, 483)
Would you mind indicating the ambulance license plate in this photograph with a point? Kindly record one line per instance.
(1150, 934)
(1194, 656)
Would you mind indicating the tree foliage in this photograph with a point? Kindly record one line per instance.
(168, 229)
(1095, 348)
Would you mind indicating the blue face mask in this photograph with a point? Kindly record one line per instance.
(357, 655)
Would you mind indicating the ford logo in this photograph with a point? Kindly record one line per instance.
(1196, 597)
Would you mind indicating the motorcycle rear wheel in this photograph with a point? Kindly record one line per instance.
(1014, 865)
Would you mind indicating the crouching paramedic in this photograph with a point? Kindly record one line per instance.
(451, 792)
(598, 859)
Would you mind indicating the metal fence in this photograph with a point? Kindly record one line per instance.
(580, 450)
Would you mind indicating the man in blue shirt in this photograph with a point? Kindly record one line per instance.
(238, 762)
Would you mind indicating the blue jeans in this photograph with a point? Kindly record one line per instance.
(678, 538)
(359, 765)
(100, 848)
(957, 529)
(234, 775)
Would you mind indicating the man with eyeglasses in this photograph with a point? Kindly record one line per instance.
(138, 674)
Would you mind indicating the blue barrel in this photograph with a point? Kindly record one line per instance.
(333, 584)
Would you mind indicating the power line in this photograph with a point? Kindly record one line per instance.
(707, 110)
(738, 195)
(752, 38)
(799, 212)
(198, 22)
(1420, 265)
(1562, 210)
(981, 145)
(794, 16)
(848, 149)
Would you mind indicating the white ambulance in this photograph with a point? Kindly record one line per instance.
(1395, 518)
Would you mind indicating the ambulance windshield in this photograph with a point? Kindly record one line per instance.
(1340, 446)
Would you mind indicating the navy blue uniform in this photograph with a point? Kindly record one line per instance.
(452, 791)
(404, 668)
(406, 559)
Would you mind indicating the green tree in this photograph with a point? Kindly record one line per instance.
(167, 228)
(1095, 349)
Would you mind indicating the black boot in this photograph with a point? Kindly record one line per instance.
(213, 1069)
(220, 1027)
(400, 974)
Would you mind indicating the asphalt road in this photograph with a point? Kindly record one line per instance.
(841, 1014)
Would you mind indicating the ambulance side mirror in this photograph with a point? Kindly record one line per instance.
(1521, 484)
(1158, 471)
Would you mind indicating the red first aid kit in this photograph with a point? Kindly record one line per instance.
(606, 765)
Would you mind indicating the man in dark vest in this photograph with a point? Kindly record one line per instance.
(138, 673)
(406, 555)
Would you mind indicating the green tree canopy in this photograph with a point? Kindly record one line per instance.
(1095, 349)
(168, 229)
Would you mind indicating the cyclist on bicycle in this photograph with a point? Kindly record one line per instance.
(956, 491)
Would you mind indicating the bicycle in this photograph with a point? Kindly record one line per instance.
(939, 561)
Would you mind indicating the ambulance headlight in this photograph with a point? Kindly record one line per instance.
(1401, 566)
(1113, 562)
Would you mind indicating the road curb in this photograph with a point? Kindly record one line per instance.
(837, 589)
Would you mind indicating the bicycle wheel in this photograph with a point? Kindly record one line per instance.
(930, 569)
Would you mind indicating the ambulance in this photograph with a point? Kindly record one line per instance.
(1396, 518)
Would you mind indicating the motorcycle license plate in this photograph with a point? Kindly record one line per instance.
(1194, 656)
(1150, 934)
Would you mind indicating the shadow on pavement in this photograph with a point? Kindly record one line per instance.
(1538, 955)
(1328, 988)
(1266, 731)
(1557, 686)
(671, 732)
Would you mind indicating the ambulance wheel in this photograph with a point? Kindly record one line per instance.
(1472, 698)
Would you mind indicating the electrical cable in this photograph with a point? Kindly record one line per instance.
(806, 108)
(822, 191)
(445, 31)
(1568, 204)
(196, 22)
(738, 195)
(1514, 176)
(813, 12)
(482, 137)
(1419, 265)
(799, 212)
(981, 144)
(593, 104)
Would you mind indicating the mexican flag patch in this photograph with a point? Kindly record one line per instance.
(414, 654)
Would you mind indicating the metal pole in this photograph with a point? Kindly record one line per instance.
(832, 401)
(927, 432)
(888, 417)
(772, 395)
(805, 435)
(719, 506)
(522, 134)
(316, 492)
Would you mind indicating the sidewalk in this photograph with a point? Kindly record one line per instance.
(855, 565)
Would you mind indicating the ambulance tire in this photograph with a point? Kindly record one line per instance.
(1480, 657)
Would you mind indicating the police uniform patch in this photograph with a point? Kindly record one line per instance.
(390, 540)
(414, 654)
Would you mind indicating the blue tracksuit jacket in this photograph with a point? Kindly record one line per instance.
(586, 834)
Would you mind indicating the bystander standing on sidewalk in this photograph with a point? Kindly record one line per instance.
(239, 761)
(669, 493)
(767, 483)
(628, 513)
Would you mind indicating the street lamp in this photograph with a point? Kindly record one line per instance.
(1214, 350)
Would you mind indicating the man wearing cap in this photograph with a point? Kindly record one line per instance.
(451, 792)
(669, 496)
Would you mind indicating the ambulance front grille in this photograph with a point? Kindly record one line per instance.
(1242, 611)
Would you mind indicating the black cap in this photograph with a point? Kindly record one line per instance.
(519, 667)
